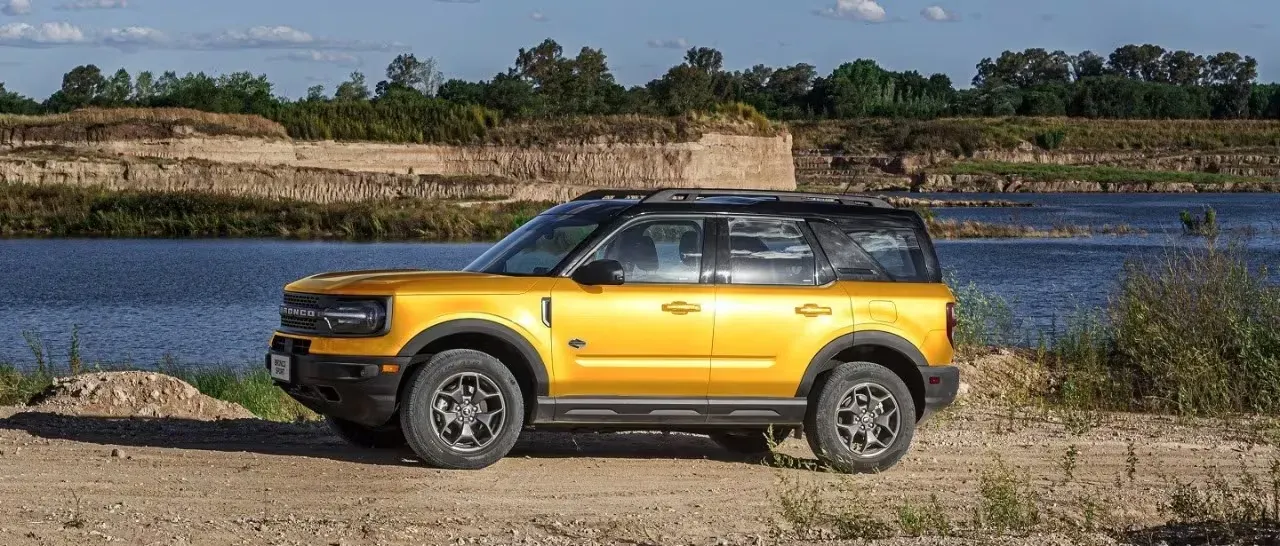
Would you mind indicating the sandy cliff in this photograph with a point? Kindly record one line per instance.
(333, 171)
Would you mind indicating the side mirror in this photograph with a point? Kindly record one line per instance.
(600, 272)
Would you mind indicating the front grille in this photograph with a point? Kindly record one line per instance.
(289, 345)
(300, 301)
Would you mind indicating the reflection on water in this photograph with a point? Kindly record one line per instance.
(214, 301)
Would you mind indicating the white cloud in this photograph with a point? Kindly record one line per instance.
(79, 5)
(675, 43)
(263, 37)
(938, 14)
(42, 35)
(858, 10)
(321, 57)
(15, 7)
(538, 16)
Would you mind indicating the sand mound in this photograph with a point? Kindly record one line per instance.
(134, 394)
(1001, 374)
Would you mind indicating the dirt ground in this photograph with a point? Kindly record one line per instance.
(69, 479)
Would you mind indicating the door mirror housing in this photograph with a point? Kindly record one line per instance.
(600, 273)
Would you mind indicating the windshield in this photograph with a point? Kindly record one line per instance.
(536, 247)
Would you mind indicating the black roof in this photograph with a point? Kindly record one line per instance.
(613, 202)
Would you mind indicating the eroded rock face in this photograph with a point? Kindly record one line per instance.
(333, 171)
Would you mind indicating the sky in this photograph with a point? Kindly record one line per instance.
(300, 43)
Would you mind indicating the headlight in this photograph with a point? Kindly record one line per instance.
(355, 317)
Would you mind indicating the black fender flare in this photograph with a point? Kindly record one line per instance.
(542, 384)
(824, 360)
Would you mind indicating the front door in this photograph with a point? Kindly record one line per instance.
(772, 316)
(649, 337)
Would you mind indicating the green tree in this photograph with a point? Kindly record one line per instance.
(80, 87)
(14, 103)
(407, 72)
(117, 90)
(354, 89)
(144, 87)
(315, 93)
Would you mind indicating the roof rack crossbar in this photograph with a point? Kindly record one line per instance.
(789, 196)
(614, 194)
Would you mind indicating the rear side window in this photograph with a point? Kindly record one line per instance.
(876, 253)
(769, 252)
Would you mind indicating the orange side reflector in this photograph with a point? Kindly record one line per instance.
(390, 368)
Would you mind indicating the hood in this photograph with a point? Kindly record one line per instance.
(410, 281)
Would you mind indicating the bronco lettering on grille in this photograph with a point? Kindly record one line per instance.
(287, 311)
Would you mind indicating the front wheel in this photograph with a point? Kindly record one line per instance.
(862, 420)
(462, 411)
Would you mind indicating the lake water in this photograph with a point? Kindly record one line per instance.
(215, 301)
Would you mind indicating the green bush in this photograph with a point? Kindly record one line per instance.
(982, 319)
(1051, 140)
(1198, 332)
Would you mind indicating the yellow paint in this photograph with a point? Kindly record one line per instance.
(651, 340)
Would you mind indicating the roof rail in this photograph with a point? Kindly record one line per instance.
(614, 194)
(788, 196)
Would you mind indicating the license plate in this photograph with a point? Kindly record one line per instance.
(281, 367)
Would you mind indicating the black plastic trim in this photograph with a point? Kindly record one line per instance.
(941, 394)
(822, 361)
(476, 326)
(663, 411)
(360, 398)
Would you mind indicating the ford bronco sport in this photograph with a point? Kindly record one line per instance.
(730, 313)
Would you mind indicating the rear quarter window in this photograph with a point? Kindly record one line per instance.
(866, 251)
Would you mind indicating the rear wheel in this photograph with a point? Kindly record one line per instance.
(463, 410)
(752, 443)
(384, 437)
(862, 420)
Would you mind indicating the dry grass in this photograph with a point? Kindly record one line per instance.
(968, 229)
(963, 136)
(630, 129)
(91, 120)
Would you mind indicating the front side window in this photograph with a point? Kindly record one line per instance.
(769, 251)
(535, 248)
(658, 251)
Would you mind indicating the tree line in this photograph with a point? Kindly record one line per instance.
(416, 103)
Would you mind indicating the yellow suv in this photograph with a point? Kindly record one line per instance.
(722, 312)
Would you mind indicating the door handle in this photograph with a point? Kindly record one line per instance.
(811, 310)
(681, 308)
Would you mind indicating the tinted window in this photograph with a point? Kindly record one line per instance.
(536, 247)
(850, 261)
(661, 251)
(766, 251)
(875, 252)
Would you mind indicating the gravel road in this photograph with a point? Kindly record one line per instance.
(87, 480)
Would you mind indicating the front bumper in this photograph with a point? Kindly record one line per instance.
(941, 383)
(351, 388)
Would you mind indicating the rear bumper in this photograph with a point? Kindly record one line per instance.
(352, 388)
(941, 383)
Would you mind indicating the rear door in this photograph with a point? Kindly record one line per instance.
(775, 308)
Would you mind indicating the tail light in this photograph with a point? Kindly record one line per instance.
(951, 323)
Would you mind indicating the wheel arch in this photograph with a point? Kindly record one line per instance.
(889, 350)
(511, 348)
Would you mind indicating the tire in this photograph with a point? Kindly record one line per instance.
(482, 430)
(835, 404)
(388, 436)
(753, 443)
